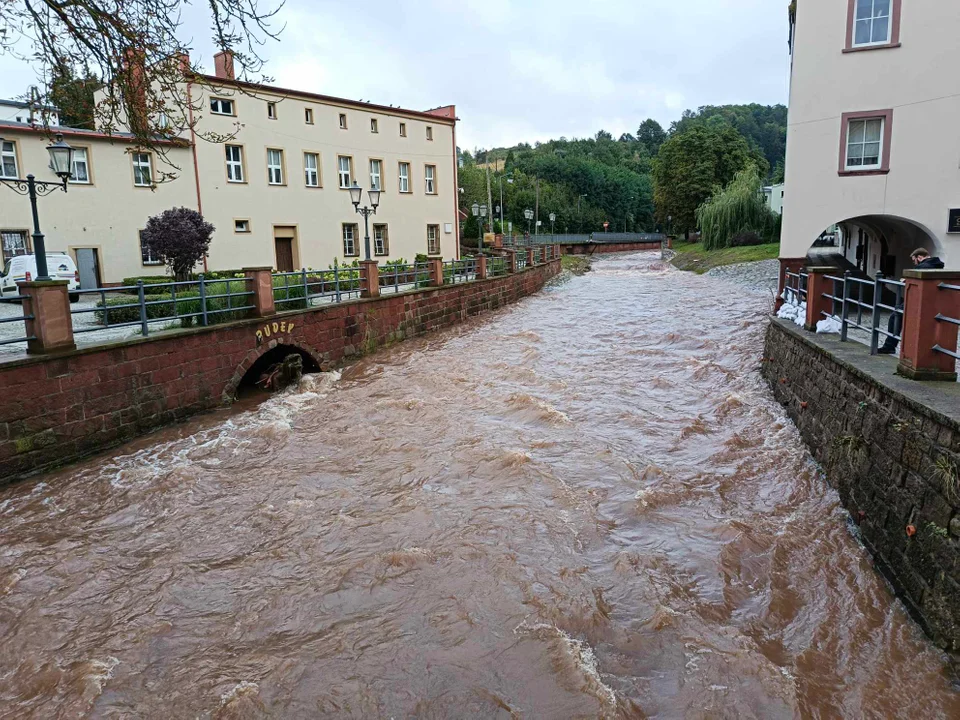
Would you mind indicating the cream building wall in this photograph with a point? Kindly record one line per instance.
(918, 81)
(318, 214)
(106, 213)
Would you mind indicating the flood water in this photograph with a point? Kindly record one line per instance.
(586, 505)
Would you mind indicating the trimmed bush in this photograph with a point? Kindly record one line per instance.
(162, 306)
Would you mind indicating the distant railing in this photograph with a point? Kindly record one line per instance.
(795, 287)
(399, 277)
(849, 297)
(459, 271)
(22, 318)
(580, 239)
(953, 321)
(203, 301)
(308, 288)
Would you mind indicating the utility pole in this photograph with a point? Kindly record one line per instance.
(536, 212)
(489, 201)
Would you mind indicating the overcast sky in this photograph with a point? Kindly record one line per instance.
(521, 70)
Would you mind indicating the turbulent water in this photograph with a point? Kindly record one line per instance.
(586, 505)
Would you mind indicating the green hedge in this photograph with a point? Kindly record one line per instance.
(150, 281)
(161, 306)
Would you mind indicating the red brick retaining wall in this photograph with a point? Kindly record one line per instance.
(55, 409)
(600, 248)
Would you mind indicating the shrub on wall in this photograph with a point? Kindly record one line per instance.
(186, 308)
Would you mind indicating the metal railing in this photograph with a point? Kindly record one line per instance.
(582, 239)
(497, 267)
(953, 321)
(459, 271)
(400, 277)
(308, 288)
(22, 318)
(850, 296)
(795, 287)
(521, 259)
(204, 300)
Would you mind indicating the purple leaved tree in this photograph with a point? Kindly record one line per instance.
(180, 237)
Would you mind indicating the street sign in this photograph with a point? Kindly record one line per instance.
(954, 224)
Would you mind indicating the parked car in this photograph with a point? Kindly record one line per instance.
(59, 265)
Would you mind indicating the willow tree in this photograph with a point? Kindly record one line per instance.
(737, 209)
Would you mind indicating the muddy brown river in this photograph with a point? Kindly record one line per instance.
(586, 505)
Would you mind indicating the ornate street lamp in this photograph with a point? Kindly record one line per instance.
(553, 218)
(528, 214)
(480, 211)
(356, 195)
(61, 162)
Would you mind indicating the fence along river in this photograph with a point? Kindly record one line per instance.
(584, 505)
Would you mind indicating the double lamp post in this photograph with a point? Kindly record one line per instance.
(61, 162)
(356, 195)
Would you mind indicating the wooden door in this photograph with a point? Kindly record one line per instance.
(284, 254)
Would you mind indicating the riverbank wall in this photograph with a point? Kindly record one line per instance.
(602, 248)
(55, 409)
(891, 447)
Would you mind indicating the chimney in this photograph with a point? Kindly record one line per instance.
(223, 65)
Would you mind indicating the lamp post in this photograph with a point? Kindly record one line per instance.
(528, 214)
(61, 162)
(626, 215)
(553, 218)
(500, 206)
(479, 212)
(669, 223)
(580, 215)
(356, 195)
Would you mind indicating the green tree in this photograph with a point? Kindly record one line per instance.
(651, 135)
(737, 210)
(691, 164)
(73, 96)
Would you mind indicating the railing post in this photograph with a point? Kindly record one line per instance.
(261, 278)
(923, 301)
(529, 257)
(843, 307)
(51, 326)
(482, 267)
(435, 266)
(203, 299)
(511, 261)
(787, 265)
(817, 286)
(369, 279)
(875, 316)
(142, 301)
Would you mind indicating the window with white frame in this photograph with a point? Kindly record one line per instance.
(221, 106)
(311, 169)
(142, 169)
(343, 121)
(403, 129)
(872, 22)
(349, 240)
(8, 159)
(275, 166)
(433, 239)
(147, 256)
(241, 226)
(374, 125)
(381, 242)
(865, 144)
(376, 172)
(272, 110)
(81, 167)
(429, 132)
(308, 116)
(345, 171)
(234, 163)
(430, 179)
(14, 242)
(404, 176)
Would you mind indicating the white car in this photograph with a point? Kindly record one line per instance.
(59, 265)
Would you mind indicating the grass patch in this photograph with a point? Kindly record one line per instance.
(693, 256)
(577, 264)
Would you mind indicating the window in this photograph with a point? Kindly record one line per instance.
(81, 167)
(142, 170)
(374, 125)
(433, 239)
(404, 177)
(272, 110)
(8, 159)
(381, 244)
(430, 179)
(234, 163)
(873, 24)
(864, 144)
(308, 116)
(14, 242)
(311, 169)
(375, 174)
(345, 170)
(403, 129)
(274, 166)
(241, 226)
(349, 240)
(219, 106)
(146, 254)
(343, 121)
(429, 133)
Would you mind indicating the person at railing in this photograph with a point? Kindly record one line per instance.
(922, 260)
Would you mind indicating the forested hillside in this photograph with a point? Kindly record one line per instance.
(634, 182)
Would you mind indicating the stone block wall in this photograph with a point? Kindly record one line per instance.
(55, 409)
(601, 248)
(894, 462)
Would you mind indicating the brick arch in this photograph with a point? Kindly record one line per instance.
(230, 390)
